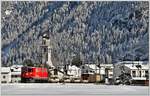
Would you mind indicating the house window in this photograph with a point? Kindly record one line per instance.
(86, 71)
(12, 70)
(55, 72)
(45, 49)
(82, 67)
(12, 76)
(4, 77)
(134, 73)
(44, 42)
(110, 75)
(146, 73)
(140, 73)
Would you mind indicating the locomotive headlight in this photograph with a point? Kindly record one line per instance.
(27, 74)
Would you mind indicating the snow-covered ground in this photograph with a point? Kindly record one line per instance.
(72, 90)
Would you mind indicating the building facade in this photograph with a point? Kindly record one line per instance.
(5, 75)
(96, 73)
(74, 71)
(137, 70)
(16, 73)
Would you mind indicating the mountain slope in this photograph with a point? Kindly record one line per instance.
(112, 31)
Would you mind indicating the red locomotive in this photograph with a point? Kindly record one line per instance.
(34, 74)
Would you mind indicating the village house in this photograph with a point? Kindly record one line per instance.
(94, 73)
(138, 70)
(66, 73)
(74, 71)
(5, 75)
(16, 73)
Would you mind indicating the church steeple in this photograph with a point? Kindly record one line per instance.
(46, 50)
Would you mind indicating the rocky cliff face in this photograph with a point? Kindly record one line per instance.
(111, 31)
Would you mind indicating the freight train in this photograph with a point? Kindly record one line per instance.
(34, 74)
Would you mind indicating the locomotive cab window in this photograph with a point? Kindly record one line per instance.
(30, 70)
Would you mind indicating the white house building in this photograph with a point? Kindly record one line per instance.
(56, 75)
(93, 68)
(105, 70)
(16, 73)
(138, 70)
(74, 71)
(5, 75)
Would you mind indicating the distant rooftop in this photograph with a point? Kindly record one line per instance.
(135, 62)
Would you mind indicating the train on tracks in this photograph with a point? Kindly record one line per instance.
(34, 74)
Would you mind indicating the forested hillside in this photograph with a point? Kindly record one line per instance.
(112, 31)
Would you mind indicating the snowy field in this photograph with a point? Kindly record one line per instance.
(72, 90)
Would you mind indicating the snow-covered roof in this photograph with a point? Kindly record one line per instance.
(5, 69)
(90, 66)
(73, 67)
(106, 65)
(131, 62)
(16, 66)
(143, 66)
(93, 66)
